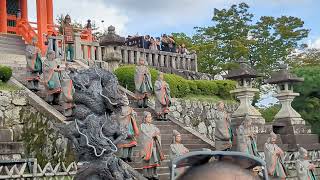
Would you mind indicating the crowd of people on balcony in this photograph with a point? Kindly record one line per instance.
(165, 43)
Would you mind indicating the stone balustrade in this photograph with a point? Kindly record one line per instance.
(93, 53)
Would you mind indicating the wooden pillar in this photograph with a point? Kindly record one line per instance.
(41, 23)
(49, 5)
(3, 16)
(24, 9)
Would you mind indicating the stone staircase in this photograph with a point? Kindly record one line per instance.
(12, 54)
(12, 51)
(190, 139)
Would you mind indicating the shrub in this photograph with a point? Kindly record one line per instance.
(5, 73)
(179, 86)
(269, 112)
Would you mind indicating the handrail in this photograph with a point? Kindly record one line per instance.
(11, 17)
(26, 31)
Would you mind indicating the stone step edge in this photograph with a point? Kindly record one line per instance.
(38, 103)
(192, 131)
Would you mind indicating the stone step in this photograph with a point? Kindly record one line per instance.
(5, 50)
(189, 146)
(160, 170)
(10, 36)
(138, 163)
(11, 148)
(12, 42)
(6, 135)
(184, 141)
(164, 176)
(13, 47)
(167, 151)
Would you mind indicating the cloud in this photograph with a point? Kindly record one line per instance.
(314, 44)
(151, 16)
(82, 10)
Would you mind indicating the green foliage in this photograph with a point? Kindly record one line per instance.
(309, 57)
(308, 103)
(268, 113)
(234, 34)
(5, 73)
(179, 86)
(182, 38)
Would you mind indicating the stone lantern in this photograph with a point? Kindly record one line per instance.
(284, 81)
(111, 52)
(288, 123)
(244, 77)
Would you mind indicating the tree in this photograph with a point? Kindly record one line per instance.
(182, 38)
(308, 57)
(308, 103)
(274, 40)
(233, 34)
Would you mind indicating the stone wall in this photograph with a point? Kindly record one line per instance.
(32, 128)
(197, 115)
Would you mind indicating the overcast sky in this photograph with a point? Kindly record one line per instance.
(156, 17)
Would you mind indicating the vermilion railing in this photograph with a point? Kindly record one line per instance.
(26, 30)
(12, 21)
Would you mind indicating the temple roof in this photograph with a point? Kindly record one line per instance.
(283, 75)
(243, 71)
(111, 38)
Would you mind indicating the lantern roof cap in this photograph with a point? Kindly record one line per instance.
(283, 75)
(243, 71)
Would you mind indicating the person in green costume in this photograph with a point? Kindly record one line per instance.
(34, 65)
(274, 158)
(68, 90)
(52, 78)
(143, 85)
(162, 97)
(223, 134)
(130, 127)
(246, 138)
(304, 167)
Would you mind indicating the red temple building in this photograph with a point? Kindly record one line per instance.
(14, 20)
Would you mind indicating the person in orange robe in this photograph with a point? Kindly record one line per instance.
(125, 147)
(151, 152)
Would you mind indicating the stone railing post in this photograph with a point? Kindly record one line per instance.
(173, 62)
(149, 59)
(188, 66)
(125, 56)
(195, 63)
(178, 61)
(131, 57)
(93, 53)
(155, 59)
(137, 57)
(85, 52)
(167, 61)
(161, 60)
(99, 53)
(183, 62)
(77, 46)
